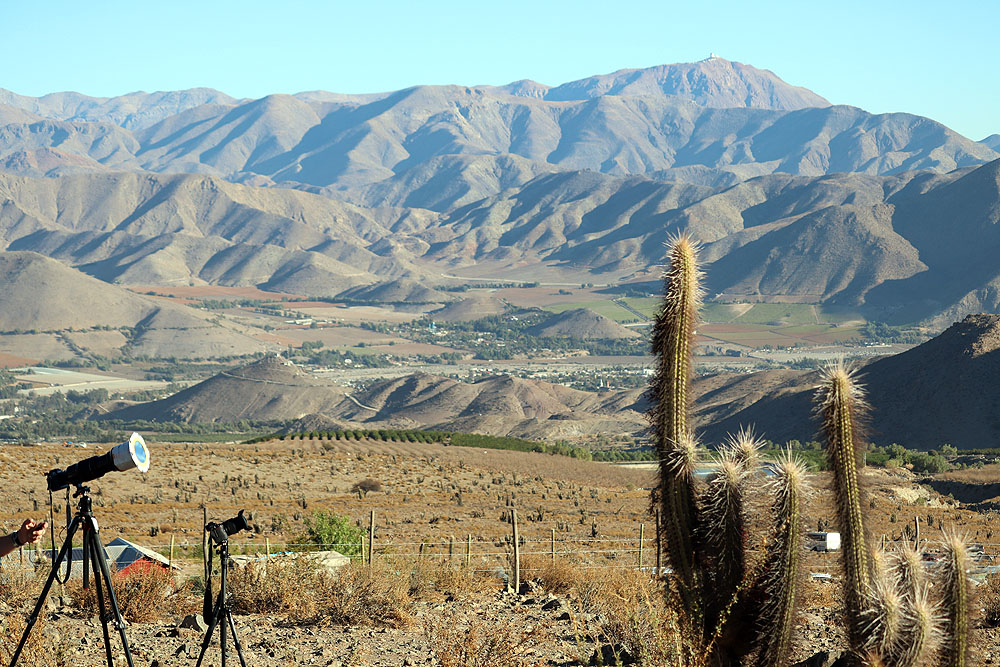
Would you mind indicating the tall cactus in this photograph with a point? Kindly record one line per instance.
(841, 405)
(703, 525)
(890, 619)
(673, 343)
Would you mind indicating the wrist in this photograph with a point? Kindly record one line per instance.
(16, 540)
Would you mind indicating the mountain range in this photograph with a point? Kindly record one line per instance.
(318, 193)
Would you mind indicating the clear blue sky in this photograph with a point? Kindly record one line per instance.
(933, 58)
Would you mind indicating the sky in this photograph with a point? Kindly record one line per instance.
(936, 59)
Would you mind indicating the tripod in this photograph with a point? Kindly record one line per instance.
(93, 554)
(222, 613)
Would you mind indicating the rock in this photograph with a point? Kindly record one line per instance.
(826, 659)
(551, 604)
(194, 622)
(611, 655)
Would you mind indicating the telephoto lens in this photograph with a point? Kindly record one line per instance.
(236, 524)
(129, 454)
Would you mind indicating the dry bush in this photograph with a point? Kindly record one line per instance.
(289, 586)
(144, 594)
(634, 618)
(366, 595)
(18, 586)
(433, 578)
(480, 642)
(36, 652)
(555, 576)
(305, 592)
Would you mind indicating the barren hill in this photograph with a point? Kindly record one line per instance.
(581, 323)
(500, 405)
(472, 307)
(269, 389)
(941, 392)
(394, 291)
(41, 294)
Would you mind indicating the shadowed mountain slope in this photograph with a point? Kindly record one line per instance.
(941, 392)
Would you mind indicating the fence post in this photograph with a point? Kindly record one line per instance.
(659, 550)
(267, 553)
(553, 545)
(451, 547)
(916, 532)
(642, 538)
(468, 551)
(170, 558)
(371, 538)
(517, 554)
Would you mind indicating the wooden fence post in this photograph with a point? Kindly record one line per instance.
(553, 544)
(642, 538)
(267, 553)
(517, 554)
(659, 550)
(371, 538)
(170, 557)
(468, 551)
(451, 547)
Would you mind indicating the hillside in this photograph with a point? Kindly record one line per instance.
(42, 295)
(582, 323)
(269, 389)
(941, 392)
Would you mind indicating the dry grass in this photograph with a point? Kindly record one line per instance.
(35, 653)
(435, 579)
(304, 592)
(144, 595)
(18, 586)
(554, 576)
(989, 474)
(481, 642)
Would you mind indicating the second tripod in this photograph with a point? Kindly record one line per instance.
(221, 615)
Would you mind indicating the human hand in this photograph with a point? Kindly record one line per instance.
(30, 532)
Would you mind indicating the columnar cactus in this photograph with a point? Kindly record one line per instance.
(728, 611)
(890, 619)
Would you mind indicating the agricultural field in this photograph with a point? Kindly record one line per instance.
(429, 502)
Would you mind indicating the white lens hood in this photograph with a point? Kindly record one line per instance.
(131, 454)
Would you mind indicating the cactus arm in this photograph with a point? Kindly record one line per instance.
(956, 602)
(840, 402)
(673, 342)
(780, 584)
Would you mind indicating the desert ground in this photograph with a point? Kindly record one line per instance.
(440, 509)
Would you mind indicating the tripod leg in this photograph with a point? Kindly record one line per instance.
(105, 573)
(216, 617)
(67, 545)
(90, 555)
(236, 640)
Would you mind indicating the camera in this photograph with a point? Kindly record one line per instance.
(129, 454)
(220, 532)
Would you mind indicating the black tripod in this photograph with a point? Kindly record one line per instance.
(222, 614)
(93, 554)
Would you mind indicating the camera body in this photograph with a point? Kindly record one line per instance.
(220, 532)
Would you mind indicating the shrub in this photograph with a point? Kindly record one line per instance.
(366, 485)
(144, 594)
(334, 531)
(480, 642)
